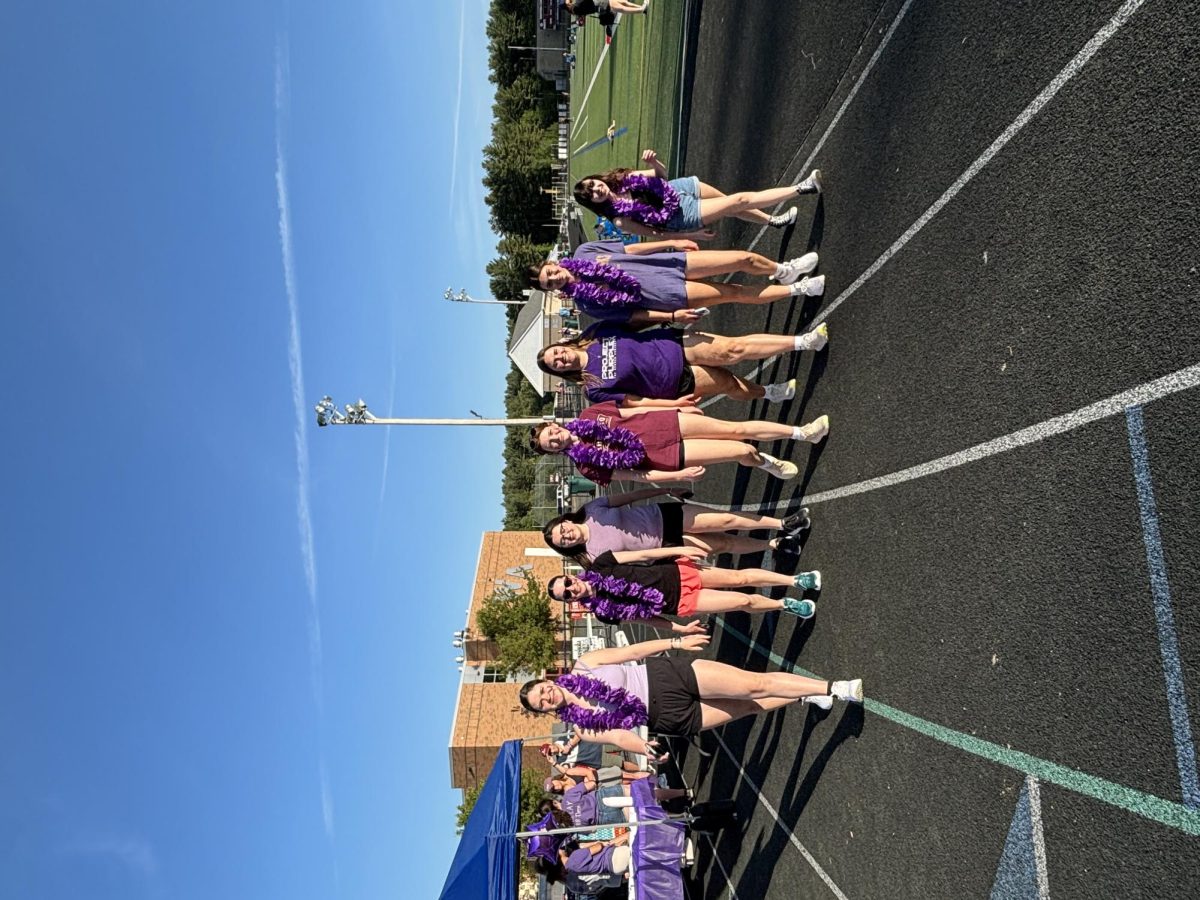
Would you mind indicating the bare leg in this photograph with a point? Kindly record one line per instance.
(715, 679)
(704, 428)
(698, 520)
(712, 381)
(735, 578)
(706, 293)
(736, 204)
(711, 601)
(714, 713)
(710, 263)
(708, 192)
(726, 543)
(705, 452)
(701, 348)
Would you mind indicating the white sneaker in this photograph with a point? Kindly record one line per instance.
(850, 691)
(816, 339)
(801, 265)
(811, 184)
(809, 286)
(778, 468)
(820, 701)
(784, 218)
(816, 430)
(780, 393)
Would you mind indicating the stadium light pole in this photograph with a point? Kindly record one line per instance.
(463, 297)
(358, 414)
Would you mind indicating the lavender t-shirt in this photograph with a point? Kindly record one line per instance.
(660, 275)
(580, 804)
(623, 528)
(631, 678)
(643, 363)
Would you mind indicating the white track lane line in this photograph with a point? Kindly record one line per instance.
(1039, 839)
(1182, 380)
(816, 866)
(1090, 49)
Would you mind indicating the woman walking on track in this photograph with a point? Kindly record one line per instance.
(661, 282)
(644, 202)
(615, 524)
(654, 445)
(646, 585)
(606, 699)
(665, 367)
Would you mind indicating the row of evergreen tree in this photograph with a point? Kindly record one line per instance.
(518, 166)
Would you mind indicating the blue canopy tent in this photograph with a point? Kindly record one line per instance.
(486, 865)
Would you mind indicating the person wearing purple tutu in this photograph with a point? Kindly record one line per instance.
(657, 445)
(648, 585)
(644, 202)
(665, 367)
(606, 699)
(661, 282)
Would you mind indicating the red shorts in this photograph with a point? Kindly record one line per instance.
(689, 585)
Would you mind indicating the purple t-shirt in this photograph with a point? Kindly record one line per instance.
(623, 528)
(660, 275)
(642, 363)
(584, 862)
(580, 804)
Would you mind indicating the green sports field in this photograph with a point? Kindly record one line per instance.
(633, 81)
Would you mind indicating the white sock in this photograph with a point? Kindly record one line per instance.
(800, 343)
(780, 271)
(797, 434)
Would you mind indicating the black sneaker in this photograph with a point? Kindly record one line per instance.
(787, 545)
(797, 523)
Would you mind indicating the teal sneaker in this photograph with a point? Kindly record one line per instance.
(808, 581)
(804, 609)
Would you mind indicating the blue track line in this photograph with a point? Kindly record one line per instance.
(1160, 589)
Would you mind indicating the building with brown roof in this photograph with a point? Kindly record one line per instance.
(488, 711)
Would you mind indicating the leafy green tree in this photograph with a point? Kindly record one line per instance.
(531, 795)
(520, 623)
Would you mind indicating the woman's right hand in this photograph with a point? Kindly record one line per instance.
(693, 552)
(686, 316)
(694, 642)
(693, 627)
(691, 473)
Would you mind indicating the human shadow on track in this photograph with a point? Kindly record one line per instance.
(756, 879)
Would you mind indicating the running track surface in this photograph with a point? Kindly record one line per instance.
(1007, 508)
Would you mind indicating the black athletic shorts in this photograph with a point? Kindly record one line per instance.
(672, 518)
(674, 696)
(687, 381)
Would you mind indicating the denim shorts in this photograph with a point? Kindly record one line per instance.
(687, 217)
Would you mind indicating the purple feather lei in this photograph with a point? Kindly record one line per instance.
(600, 284)
(639, 210)
(617, 598)
(624, 709)
(602, 447)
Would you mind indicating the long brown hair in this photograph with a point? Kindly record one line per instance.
(613, 178)
(579, 342)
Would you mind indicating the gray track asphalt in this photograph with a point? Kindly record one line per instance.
(1010, 598)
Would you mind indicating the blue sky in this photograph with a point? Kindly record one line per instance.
(225, 656)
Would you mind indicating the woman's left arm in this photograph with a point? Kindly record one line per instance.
(641, 249)
(613, 656)
(626, 740)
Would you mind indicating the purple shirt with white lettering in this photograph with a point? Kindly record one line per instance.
(642, 363)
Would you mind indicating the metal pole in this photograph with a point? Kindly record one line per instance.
(358, 414)
(670, 819)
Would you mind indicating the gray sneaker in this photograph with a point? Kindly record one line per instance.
(778, 468)
(784, 219)
(781, 392)
(811, 184)
(809, 286)
(801, 265)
